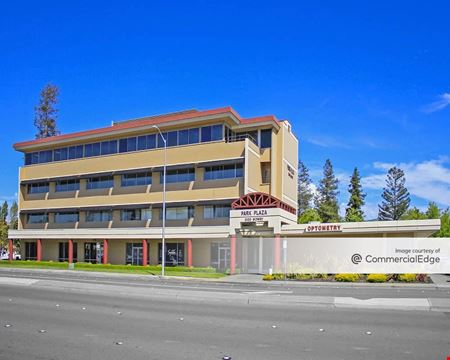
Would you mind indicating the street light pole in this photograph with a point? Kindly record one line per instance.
(163, 245)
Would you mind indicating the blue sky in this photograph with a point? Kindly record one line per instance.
(365, 85)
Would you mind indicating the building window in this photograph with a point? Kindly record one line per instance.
(266, 138)
(98, 215)
(135, 214)
(146, 142)
(128, 144)
(136, 179)
(179, 213)
(174, 254)
(75, 152)
(66, 217)
(109, 147)
(38, 188)
(64, 251)
(92, 150)
(60, 154)
(223, 172)
(179, 175)
(68, 185)
(30, 251)
(37, 218)
(100, 182)
(216, 211)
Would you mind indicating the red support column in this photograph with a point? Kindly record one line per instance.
(144, 252)
(70, 251)
(233, 254)
(277, 252)
(189, 253)
(11, 249)
(105, 251)
(39, 250)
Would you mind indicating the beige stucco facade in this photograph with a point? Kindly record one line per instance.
(261, 155)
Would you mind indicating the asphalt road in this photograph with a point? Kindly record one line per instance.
(71, 317)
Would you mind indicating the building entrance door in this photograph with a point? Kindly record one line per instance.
(90, 252)
(224, 257)
(136, 257)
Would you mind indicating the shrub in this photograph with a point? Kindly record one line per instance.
(267, 277)
(422, 277)
(407, 277)
(376, 278)
(347, 277)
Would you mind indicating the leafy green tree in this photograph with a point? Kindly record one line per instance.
(46, 113)
(445, 225)
(433, 212)
(326, 201)
(354, 211)
(13, 217)
(396, 196)
(305, 194)
(308, 216)
(414, 214)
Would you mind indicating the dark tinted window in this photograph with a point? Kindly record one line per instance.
(266, 138)
(45, 156)
(194, 136)
(183, 137)
(217, 132)
(172, 138)
(206, 133)
(75, 152)
(60, 154)
(109, 147)
(161, 139)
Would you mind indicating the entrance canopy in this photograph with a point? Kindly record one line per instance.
(259, 200)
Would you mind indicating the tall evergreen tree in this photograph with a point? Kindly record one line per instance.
(395, 195)
(3, 225)
(305, 194)
(46, 112)
(4, 211)
(326, 201)
(354, 211)
(13, 217)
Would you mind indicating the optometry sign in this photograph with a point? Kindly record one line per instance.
(323, 228)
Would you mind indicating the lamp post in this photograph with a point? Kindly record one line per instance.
(163, 245)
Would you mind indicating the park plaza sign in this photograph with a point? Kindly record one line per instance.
(313, 228)
(253, 215)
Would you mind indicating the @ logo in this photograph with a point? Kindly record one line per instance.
(356, 259)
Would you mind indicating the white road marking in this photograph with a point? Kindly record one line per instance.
(17, 281)
(384, 303)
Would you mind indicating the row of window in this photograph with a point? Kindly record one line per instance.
(172, 213)
(138, 179)
(136, 143)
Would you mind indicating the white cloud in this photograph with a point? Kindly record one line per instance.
(429, 180)
(327, 142)
(442, 103)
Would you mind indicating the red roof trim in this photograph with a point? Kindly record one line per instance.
(148, 121)
(258, 200)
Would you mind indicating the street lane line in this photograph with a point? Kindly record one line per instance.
(17, 281)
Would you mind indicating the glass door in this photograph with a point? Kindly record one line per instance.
(90, 253)
(224, 257)
(136, 257)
